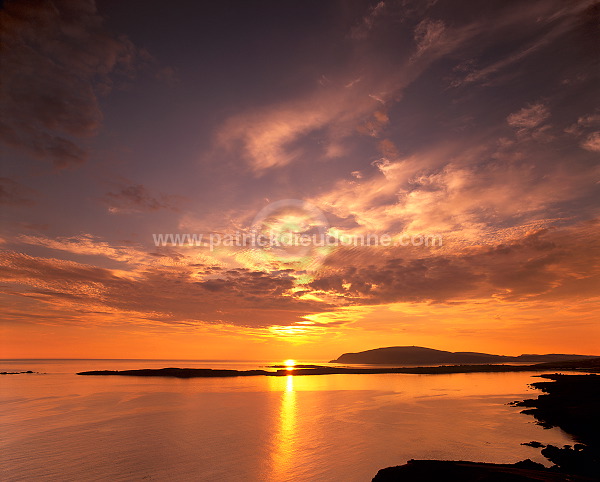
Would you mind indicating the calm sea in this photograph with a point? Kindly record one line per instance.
(59, 426)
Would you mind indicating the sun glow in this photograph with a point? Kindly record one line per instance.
(290, 364)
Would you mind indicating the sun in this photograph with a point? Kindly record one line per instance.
(290, 364)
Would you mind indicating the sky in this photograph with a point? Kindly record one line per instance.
(476, 124)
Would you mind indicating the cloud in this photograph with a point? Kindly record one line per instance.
(375, 124)
(14, 194)
(171, 295)
(400, 159)
(546, 264)
(269, 137)
(551, 22)
(592, 142)
(468, 192)
(429, 34)
(136, 198)
(528, 117)
(85, 244)
(321, 120)
(319, 124)
(362, 29)
(529, 123)
(272, 137)
(529, 266)
(585, 129)
(56, 59)
(583, 124)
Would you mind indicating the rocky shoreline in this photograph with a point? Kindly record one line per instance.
(462, 471)
(569, 402)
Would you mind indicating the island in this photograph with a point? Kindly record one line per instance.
(418, 355)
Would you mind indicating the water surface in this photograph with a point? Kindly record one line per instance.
(60, 426)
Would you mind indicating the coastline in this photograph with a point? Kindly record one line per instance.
(569, 402)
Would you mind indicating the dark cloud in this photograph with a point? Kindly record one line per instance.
(56, 58)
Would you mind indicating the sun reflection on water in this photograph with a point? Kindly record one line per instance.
(285, 437)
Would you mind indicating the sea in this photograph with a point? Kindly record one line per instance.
(56, 425)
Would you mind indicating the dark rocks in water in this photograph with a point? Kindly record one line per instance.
(414, 355)
(16, 373)
(534, 444)
(579, 459)
(570, 402)
(442, 470)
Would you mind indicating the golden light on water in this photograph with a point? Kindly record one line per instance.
(285, 437)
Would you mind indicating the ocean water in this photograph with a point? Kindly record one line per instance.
(56, 425)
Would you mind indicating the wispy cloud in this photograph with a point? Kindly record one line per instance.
(268, 138)
(528, 117)
(551, 21)
(592, 142)
(275, 136)
(365, 25)
(429, 34)
(84, 244)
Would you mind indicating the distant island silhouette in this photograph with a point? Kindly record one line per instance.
(417, 355)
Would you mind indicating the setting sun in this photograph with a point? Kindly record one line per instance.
(290, 364)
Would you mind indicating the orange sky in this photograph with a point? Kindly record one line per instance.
(471, 124)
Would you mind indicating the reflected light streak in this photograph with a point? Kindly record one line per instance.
(285, 438)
